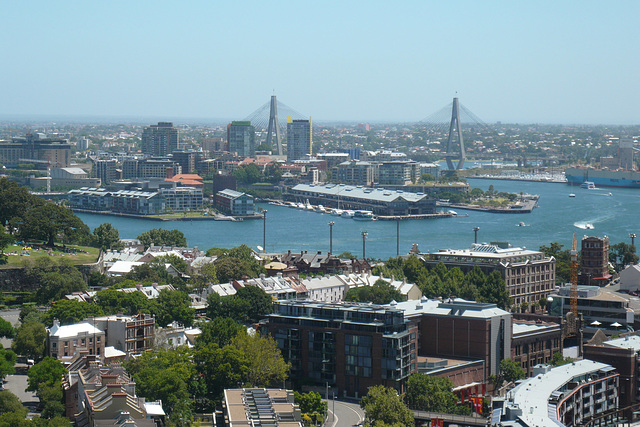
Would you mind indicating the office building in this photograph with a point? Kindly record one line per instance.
(160, 139)
(241, 138)
(567, 395)
(534, 343)
(186, 160)
(349, 346)
(36, 149)
(106, 170)
(529, 275)
(600, 309)
(235, 203)
(594, 261)
(355, 172)
(299, 139)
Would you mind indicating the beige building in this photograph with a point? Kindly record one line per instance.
(65, 342)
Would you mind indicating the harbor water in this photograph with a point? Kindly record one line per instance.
(612, 212)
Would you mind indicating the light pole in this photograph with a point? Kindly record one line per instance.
(331, 224)
(633, 238)
(264, 230)
(364, 245)
(475, 230)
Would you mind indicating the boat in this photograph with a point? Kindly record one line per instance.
(603, 177)
(347, 214)
(522, 224)
(589, 185)
(588, 226)
(454, 213)
(336, 212)
(363, 215)
(320, 209)
(300, 205)
(572, 195)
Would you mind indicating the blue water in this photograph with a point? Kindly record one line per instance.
(555, 220)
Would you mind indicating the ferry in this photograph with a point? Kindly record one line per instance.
(589, 185)
(363, 215)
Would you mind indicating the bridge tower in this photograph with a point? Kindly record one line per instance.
(454, 126)
(273, 127)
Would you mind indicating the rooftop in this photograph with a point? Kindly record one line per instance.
(69, 331)
(365, 193)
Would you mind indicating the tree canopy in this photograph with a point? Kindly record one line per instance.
(381, 292)
(106, 236)
(162, 237)
(431, 393)
(384, 407)
(50, 222)
(29, 340)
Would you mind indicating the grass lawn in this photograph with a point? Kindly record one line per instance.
(85, 254)
(178, 215)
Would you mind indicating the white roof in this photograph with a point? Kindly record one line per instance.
(111, 351)
(632, 341)
(222, 289)
(123, 267)
(520, 328)
(70, 331)
(154, 408)
(457, 307)
(532, 395)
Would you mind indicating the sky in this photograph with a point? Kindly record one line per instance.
(571, 62)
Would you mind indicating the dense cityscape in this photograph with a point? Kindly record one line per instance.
(319, 214)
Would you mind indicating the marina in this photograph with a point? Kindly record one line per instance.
(555, 220)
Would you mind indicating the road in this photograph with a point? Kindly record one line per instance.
(10, 315)
(346, 414)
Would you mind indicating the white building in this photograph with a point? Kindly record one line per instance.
(630, 278)
(567, 395)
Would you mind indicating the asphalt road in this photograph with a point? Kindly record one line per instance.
(346, 414)
(10, 315)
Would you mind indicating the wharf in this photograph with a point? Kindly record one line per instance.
(420, 216)
(211, 217)
(525, 206)
(556, 179)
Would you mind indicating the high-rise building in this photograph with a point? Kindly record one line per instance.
(298, 139)
(241, 137)
(160, 139)
(186, 159)
(105, 170)
(38, 149)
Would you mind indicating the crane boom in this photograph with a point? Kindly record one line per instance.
(574, 276)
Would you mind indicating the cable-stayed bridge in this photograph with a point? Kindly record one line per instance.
(272, 117)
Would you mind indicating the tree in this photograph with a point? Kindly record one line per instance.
(384, 405)
(54, 280)
(162, 237)
(220, 331)
(623, 254)
(30, 339)
(228, 269)
(7, 360)
(494, 290)
(259, 301)
(106, 236)
(46, 372)
(6, 239)
(15, 200)
(221, 367)
(112, 301)
(69, 312)
(265, 365)
(381, 292)
(204, 277)
(6, 329)
(431, 393)
(558, 359)
(9, 403)
(173, 306)
(51, 222)
(311, 406)
(511, 371)
(30, 314)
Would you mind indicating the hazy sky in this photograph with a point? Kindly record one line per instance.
(514, 61)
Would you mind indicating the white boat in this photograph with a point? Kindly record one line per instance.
(522, 224)
(572, 195)
(454, 213)
(320, 209)
(589, 227)
(336, 212)
(363, 215)
(347, 214)
(300, 206)
(588, 185)
(308, 206)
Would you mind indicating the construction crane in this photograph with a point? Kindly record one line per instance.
(574, 277)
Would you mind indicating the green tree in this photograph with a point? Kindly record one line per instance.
(558, 359)
(6, 239)
(623, 254)
(259, 301)
(46, 372)
(179, 263)
(220, 331)
(69, 312)
(54, 280)
(106, 236)
(204, 277)
(7, 361)
(162, 237)
(9, 403)
(30, 339)
(431, 393)
(563, 261)
(228, 269)
(494, 290)
(14, 200)
(112, 301)
(511, 371)
(6, 329)
(30, 314)
(221, 367)
(384, 405)
(381, 292)
(50, 222)
(173, 306)
(265, 365)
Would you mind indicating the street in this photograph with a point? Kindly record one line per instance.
(346, 414)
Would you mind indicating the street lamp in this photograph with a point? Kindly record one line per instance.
(364, 246)
(397, 236)
(475, 230)
(633, 238)
(331, 224)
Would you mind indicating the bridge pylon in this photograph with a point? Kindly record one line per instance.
(454, 126)
(273, 130)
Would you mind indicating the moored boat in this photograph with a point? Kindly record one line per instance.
(363, 215)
